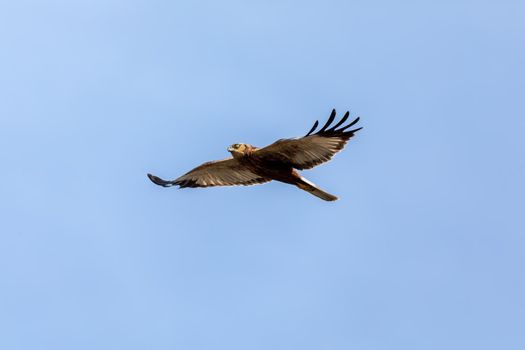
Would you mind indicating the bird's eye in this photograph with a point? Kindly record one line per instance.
(236, 145)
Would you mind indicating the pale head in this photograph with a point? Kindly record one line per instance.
(240, 149)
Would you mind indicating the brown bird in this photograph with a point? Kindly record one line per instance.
(250, 165)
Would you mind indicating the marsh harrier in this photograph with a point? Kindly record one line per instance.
(279, 161)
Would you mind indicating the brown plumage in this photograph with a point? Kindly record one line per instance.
(250, 165)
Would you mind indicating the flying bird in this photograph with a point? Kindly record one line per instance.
(250, 165)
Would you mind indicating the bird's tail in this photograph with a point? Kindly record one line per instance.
(307, 186)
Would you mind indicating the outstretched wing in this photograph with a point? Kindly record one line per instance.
(227, 172)
(312, 149)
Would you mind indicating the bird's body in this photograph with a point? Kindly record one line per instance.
(250, 165)
(268, 169)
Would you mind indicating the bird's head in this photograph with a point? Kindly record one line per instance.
(240, 149)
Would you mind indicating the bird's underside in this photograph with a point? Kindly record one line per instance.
(279, 161)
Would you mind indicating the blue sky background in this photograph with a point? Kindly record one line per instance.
(424, 250)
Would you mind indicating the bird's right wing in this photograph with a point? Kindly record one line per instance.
(227, 172)
(312, 149)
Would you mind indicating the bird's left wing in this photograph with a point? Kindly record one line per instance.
(227, 172)
(312, 149)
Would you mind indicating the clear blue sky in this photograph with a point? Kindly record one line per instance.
(424, 250)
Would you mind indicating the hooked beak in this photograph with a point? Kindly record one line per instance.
(230, 149)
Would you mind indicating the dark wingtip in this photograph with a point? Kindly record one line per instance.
(351, 124)
(345, 117)
(329, 121)
(334, 129)
(153, 178)
(313, 128)
(158, 181)
(353, 131)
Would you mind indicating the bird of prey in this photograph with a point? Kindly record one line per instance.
(279, 161)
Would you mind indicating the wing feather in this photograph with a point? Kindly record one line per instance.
(226, 172)
(313, 127)
(313, 149)
(329, 121)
